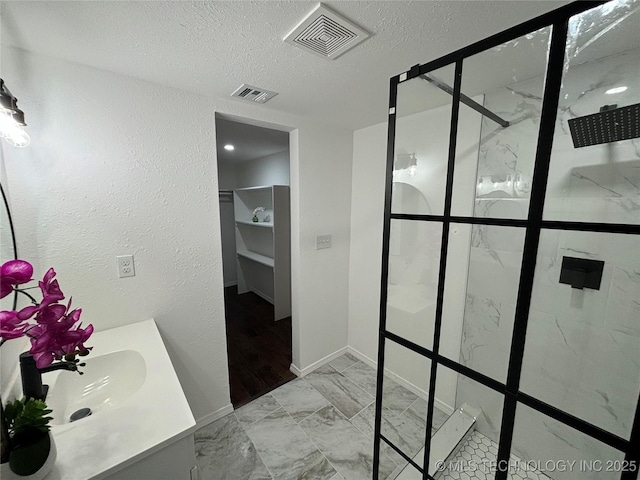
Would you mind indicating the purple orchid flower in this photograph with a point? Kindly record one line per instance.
(14, 272)
(53, 341)
(56, 335)
(48, 310)
(10, 325)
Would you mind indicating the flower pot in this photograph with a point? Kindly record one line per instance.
(32, 461)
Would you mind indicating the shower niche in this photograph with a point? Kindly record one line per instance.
(505, 158)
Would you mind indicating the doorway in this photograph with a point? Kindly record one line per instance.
(253, 179)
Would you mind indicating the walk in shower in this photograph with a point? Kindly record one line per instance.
(511, 255)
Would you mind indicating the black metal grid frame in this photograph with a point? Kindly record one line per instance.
(533, 226)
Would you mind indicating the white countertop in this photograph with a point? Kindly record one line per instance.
(153, 417)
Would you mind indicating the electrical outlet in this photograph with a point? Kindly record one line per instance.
(125, 266)
(323, 241)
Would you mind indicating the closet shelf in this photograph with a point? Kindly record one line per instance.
(501, 199)
(267, 273)
(255, 224)
(256, 257)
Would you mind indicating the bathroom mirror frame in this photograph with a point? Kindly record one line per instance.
(533, 225)
(7, 222)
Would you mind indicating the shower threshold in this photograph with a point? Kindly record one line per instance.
(445, 443)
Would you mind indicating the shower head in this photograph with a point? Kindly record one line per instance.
(611, 124)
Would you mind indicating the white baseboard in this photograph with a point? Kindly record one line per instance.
(448, 409)
(315, 365)
(230, 284)
(213, 416)
(361, 356)
(408, 385)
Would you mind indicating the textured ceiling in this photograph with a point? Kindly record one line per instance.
(213, 47)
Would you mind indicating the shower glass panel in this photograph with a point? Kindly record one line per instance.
(414, 255)
(511, 255)
(478, 320)
(582, 352)
(535, 441)
(598, 182)
(404, 408)
(423, 122)
(495, 156)
(478, 438)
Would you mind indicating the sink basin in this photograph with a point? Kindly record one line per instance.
(107, 380)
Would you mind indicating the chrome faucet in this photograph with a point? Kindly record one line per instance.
(32, 386)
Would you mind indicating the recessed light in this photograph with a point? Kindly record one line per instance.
(229, 147)
(611, 91)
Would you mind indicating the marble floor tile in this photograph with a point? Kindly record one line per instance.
(406, 431)
(257, 409)
(419, 408)
(343, 362)
(320, 427)
(362, 375)
(286, 450)
(346, 447)
(395, 397)
(225, 452)
(299, 399)
(365, 422)
(345, 395)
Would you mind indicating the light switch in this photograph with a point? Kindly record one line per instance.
(323, 241)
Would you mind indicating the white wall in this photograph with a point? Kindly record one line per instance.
(227, 176)
(268, 170)
(119, 165)
(365, 261)
(414, 247)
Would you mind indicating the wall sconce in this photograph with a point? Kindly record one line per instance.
(407, 161)
(11, 119)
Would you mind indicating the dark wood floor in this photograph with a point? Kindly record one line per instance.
(259, 348)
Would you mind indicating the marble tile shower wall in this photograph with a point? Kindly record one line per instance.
(583, 346)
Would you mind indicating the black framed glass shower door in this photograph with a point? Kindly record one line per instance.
(511, 250)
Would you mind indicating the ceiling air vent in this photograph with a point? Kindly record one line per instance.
(253, 94)
(326, 34)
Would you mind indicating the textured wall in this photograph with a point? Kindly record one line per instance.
(119, 165)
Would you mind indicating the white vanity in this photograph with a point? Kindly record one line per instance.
(141, 426)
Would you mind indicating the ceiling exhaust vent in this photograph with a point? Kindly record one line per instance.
(253, 94)
(326, 34)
